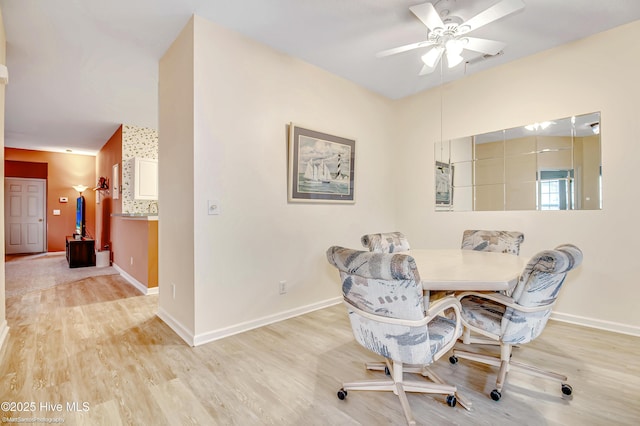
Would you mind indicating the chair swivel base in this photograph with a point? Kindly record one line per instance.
(399, 386)
(422, 370)
(506, 365)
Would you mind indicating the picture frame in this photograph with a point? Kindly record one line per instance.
(444, 184)
(321, 167)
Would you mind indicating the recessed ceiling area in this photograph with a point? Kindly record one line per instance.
(79, 69)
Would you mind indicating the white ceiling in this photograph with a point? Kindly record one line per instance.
(80, 68)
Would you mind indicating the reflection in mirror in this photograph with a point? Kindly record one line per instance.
(552, 165)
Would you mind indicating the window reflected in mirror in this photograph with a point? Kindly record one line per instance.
(550, 165)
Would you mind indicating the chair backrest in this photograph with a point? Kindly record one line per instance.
(386, 242)
(539, 285)
(385, 285)
(494, 241)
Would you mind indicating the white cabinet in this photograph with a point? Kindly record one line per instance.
(145, 179)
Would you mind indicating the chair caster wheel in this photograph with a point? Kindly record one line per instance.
(496, 395)
(453, 359)
(386, 371)
(567, 389)
(342, 394)
(451, 400)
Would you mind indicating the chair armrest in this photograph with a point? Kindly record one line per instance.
(441, 305)
(437, 308)
(504, 300)
(434, 310)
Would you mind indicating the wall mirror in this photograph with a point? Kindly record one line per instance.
(551, 165)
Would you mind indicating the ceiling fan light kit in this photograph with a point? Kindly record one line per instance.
(454, 49)
(432, 57)
(448, 37)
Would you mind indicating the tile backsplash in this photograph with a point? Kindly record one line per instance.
(139, 142)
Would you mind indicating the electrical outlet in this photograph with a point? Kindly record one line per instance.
(173, 290)
(131, 261)
(282, 287)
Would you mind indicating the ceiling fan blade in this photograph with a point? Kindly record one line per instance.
(426, 69)
(404, 48)
(495, 12)
(489, 47)
(428, 15)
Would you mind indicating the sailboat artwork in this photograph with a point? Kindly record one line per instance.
(323, 173)
(322, 168)
(317, 171)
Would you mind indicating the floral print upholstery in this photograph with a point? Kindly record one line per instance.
(388, 285)
(386, 242)
(494, 241)
(538, 285)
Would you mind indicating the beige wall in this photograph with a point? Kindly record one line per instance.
(175, 179)
(556, 83)
(4, 329)
(245, 96)
(224, 105)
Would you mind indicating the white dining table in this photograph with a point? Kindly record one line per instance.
(467, 270)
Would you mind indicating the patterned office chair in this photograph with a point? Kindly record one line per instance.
(384, 299)
(494, 241)
(386, 242)
(518, 319)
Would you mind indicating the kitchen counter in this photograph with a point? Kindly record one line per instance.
(137, 216)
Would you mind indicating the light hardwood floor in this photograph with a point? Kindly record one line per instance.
(99, 342)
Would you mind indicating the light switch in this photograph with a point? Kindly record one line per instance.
(213, 207)
(56, 212)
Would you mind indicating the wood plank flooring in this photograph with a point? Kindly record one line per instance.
(99, 344)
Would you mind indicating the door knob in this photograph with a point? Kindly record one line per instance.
(39, 220)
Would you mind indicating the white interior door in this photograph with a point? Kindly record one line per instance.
(24, 215)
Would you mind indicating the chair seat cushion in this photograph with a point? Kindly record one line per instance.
(441, 331)
(483, 314)
(402, 343)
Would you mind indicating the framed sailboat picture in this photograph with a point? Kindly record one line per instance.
(321, 167)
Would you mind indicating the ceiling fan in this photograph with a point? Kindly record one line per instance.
(448, 37)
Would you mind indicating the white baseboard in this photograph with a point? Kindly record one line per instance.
(210, 336)
(137, 284)
(200, 339)
(184, 333)
(616, 327)
(4, 332)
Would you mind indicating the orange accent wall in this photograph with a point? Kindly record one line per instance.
(136, 239)
(128, 239)
(63, 171)
(26, 169)
(152, 253)
(110, 154)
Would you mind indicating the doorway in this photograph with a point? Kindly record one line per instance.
(25, 215)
